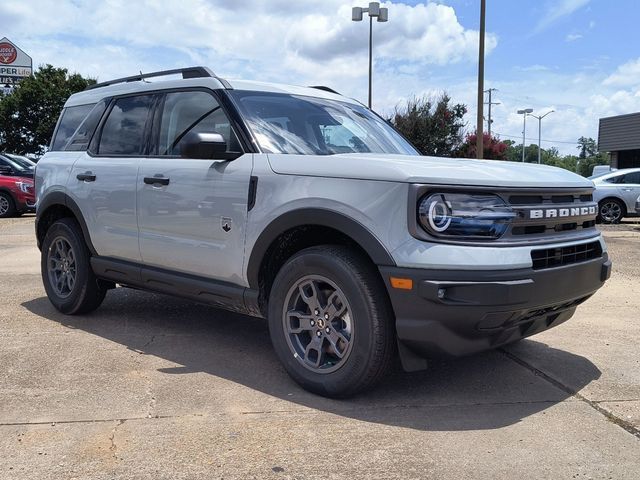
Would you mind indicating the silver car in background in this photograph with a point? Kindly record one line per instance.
(617, 194)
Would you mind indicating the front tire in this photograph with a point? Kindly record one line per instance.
(610, 210)
(7, 206)
(66, 270)
(331, 322)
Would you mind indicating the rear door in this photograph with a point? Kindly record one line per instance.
(629, 188)
(192, 212)
(104, 179)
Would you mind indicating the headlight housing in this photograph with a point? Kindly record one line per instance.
(25, 187)
(464, 216)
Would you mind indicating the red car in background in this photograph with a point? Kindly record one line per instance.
(17, 194)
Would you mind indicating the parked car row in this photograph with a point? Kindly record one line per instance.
(16, 185)
(617, 194)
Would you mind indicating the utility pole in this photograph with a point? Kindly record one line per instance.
(524, 112)
(480, 119)
(490, 103)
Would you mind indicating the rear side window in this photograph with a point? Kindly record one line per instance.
(69, 121)
(633, 178)
(123, 132)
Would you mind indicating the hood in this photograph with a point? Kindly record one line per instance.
(431, 170)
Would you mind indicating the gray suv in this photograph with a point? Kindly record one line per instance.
(301, 206)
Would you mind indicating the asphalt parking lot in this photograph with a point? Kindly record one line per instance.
(154, 387)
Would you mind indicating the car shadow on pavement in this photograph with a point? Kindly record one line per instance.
(485, 391)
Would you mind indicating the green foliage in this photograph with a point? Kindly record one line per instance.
(433, 125)
(29, 114)
(582, 164)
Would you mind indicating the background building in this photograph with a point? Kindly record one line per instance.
(620, 136)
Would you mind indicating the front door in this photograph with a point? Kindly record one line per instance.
(192, 212)
(629, 188)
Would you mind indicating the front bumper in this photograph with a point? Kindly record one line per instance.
(453, 313)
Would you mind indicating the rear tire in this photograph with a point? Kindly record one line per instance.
(7, 205)
(610, 210)
(331, 321)
(66, 270)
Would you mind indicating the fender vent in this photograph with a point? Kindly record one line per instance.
(558, 257)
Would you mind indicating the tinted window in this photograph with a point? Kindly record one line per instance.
(123, 131)
(69, 121)
(296, 124)
(185, 112)
(84, 132)
(631, 178)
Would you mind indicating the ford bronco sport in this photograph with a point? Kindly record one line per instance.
(304, 207)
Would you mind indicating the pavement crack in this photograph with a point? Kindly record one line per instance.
(114, 447)
(625, 425)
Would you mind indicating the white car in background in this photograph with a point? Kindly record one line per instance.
(617, 193)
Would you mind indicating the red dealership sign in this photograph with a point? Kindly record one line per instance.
(8, 53)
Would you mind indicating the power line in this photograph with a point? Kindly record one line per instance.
(535, 139)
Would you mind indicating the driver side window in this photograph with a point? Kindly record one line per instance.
(185, 112)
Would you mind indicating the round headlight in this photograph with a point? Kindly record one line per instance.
(465, 216)
(438, 213)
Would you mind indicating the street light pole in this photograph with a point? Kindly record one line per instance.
(381, 15)
(524, 114)
(540, 133)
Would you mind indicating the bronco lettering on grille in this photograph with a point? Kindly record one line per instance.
(563, 212)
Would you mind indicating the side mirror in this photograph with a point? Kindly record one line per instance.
(6, 170)
(203, 145)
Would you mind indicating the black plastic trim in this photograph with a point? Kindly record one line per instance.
(454, 313)
(60, 198)
(315, 217)
(253, 188)
(189, 72)
(200, 289)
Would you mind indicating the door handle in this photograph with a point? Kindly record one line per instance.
(86, 177)
(156, 180)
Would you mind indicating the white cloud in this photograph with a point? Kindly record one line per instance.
(558, 9)
(625, 75)
(572, 37)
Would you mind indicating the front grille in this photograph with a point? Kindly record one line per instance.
(557, 257)
(546, 199)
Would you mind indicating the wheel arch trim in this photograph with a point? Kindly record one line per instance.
(59, 198)
(315, 217)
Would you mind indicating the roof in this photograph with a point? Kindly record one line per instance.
(619, 133)
(162, 82)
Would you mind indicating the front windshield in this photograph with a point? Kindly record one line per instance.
(18, 167)
(294, 124)
(22, 161)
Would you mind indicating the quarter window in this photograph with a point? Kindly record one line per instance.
(69, 122)
(185, 112)
(123, 132)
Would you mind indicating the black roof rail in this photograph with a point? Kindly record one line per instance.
(189, 72)
(326, 89)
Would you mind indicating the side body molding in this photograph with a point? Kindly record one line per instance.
(316, 217)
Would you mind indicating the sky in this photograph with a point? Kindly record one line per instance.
(576, 57)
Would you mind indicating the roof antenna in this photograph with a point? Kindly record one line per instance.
(143, 79)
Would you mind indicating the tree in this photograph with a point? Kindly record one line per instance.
(28, 115)
(433, 125)
(494, 149)
(588, 147)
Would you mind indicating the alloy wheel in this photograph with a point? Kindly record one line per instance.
(318, 324)
(61, 267)
(610, 212)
